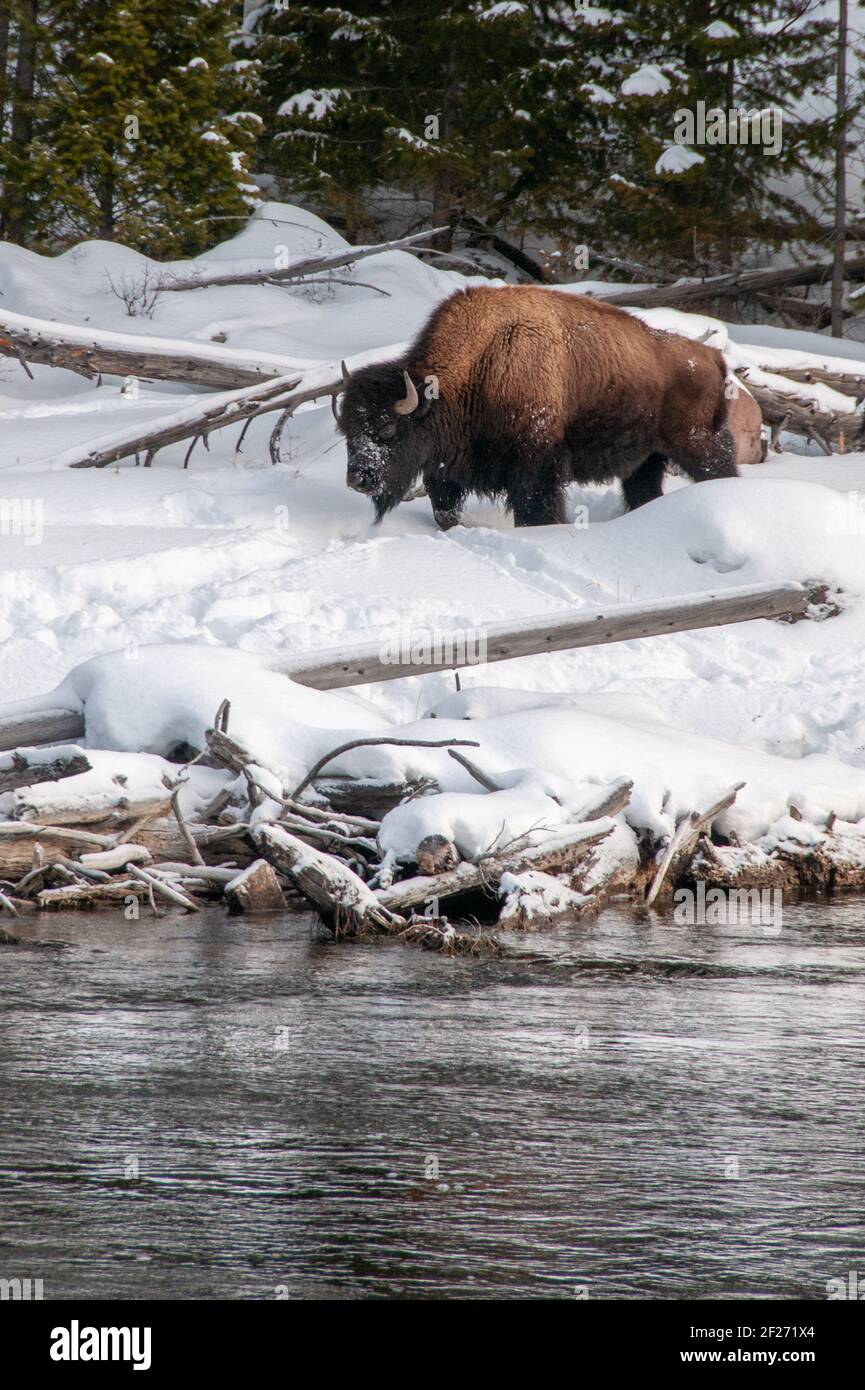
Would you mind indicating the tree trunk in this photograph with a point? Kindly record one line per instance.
(5, 20)
(837, 300)
(21, 131)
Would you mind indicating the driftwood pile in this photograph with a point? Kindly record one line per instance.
(261, 846)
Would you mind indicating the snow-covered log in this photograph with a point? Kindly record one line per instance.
(733, 285)
(623, 622)
(796, 413)
(200, 420)
(94, 352)
(255, 889)
(313, 265)
(561, 853)
(339, 894)
(684, 841)
(162, 838)
(24, 767)
(337, 668)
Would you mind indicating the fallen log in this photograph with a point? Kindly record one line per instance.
(91, 894)
(161, 837)
(336, 668)
(683, 842)
(115, 807)
(561, 853)
(798, 415)
(848, 384)
(197, 421)
(22, 731)
(733, 285)
(361, 665)
(95, 352)
(338, 894)
(158, 885)
(21, 769)
(256, 889)
(109, 860)
(313, 265)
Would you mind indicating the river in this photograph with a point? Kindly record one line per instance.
(199, 1107)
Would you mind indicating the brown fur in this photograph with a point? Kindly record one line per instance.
(536, 388)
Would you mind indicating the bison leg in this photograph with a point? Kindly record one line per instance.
(447, 502)
(646, 483)
(537, 495)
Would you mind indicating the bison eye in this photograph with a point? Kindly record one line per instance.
(387, 432)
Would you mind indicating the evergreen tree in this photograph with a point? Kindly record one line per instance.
(130, 137)
(423, 99)
(702, 204)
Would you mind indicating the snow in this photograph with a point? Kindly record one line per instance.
(677, 159)
(314, 104)
(719, 29)
(536, 895)
(647, 81)
(503, 9)
(476, 824)
(182, 583)
(601, 96)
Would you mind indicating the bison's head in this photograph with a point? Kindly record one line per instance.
(388, 444)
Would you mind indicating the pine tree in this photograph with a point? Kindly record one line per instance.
(395, 97)
(703, 206)
(130, 139)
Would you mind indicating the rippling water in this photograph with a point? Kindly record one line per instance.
(202, 1108)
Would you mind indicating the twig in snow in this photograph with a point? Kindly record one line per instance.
(474, 771)
(377, 742)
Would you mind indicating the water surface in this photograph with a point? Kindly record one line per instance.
(201, 1107)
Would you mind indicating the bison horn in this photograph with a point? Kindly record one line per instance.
(405, 407)
(333, 409)
(346, 374)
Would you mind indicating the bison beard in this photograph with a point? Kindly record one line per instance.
(515, 392)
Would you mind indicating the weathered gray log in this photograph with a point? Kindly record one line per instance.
(214, 413)
(360, 665)
(19, 839)
(93, 352)
(684, 840)
(91, 893)
(339, 894)
(735, 284)
(165, 890)
(313, 265)
(18, 770)
(45, 726)
(799, 415)
(848, 384)
(561, 853)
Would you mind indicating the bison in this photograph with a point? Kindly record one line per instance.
(514, 392)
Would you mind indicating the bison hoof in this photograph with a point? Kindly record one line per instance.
(447, 519)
